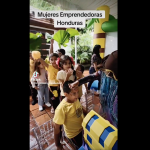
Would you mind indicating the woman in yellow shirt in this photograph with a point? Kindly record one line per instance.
(53, 83)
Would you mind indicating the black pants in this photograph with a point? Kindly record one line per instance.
(77, 140)
(56, 101)
(33, 94)
(91, 71)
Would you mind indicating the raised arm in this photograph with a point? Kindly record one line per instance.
(51, 46)
(86, 79)
(89, 78)
(43, 62)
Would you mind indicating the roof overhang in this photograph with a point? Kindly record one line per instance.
(86, 5)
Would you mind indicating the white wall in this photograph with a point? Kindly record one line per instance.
(111, 42)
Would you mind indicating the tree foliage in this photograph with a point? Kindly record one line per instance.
(43, 5)
(84, 48)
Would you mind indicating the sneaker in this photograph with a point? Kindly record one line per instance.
(40, 108)
(48, 104)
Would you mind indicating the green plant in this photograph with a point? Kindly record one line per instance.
(48, 37)
(89, 26)
(62, 37)
(84, 54)
(43, 5)
(92, 21)
(35, 41)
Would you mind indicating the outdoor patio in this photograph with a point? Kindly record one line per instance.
(38, 118)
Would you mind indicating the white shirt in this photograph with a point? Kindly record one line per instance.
(61, 75)
(41, 79)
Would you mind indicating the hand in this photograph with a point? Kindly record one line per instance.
(60, 147)
(52, 41)
(36, 88)
(69, 72)
(74, 85)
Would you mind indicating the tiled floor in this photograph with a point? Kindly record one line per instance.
(38, 118)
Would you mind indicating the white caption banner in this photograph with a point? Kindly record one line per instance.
(70, 14)
(67, 23)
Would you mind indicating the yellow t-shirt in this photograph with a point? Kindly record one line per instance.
(70, 115)
(31, 68)
(52, 74)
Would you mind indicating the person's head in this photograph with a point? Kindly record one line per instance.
(71, 94)
(52, 58)
(38, 66)
(79, 67)
(65, 62)
(97, 63)
(96, 50)
(61, 52)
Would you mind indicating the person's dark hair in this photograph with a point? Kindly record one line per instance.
(53, 55)
(63, 59)
(36, 68)
(96, 50)
(62, 51)
(66, 88)
(82, 67)
(96, 57)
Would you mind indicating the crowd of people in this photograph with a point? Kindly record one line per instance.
(59, 85)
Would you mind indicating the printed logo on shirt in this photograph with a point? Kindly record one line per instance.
(79, 112)
(35, 75)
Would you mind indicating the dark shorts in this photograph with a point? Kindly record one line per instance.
(77, 140)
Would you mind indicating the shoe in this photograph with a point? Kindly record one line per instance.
(40, 108)
(34, 102)
(48, 104)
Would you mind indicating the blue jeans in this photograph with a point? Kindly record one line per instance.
(43, 91)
